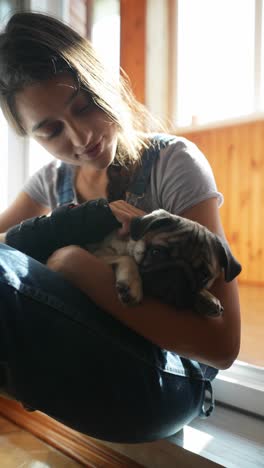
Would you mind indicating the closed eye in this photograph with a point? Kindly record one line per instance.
(57, 130)
(204, 277)
(88, 102)
(85, 108)
(50, 130)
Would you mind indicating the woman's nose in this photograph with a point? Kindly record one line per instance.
(79, 134)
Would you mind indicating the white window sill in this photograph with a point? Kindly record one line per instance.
(227, 438)
(241, 386)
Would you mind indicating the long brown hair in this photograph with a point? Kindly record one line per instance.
(35, 47)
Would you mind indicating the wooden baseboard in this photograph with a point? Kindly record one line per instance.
(81, 448)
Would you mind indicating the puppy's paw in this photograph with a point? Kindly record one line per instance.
(207, 304)
(129, 294)
(214, 308)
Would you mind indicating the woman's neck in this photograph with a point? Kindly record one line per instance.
(90, 183)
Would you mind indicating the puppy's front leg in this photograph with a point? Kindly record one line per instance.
(207, 304)
(128, 280)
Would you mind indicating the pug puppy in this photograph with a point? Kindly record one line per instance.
(171, 258)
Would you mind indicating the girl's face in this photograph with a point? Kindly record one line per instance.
(67, 123)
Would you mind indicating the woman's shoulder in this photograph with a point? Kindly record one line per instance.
(42, 185)
(181, 176)
(50, 171)
(177, 152)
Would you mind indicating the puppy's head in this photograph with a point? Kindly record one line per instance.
(181, 254)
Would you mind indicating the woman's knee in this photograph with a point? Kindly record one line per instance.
(62, 258)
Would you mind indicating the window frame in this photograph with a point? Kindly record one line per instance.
(164, 16)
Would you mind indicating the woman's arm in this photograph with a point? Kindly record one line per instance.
(23, 207)
(212, 341)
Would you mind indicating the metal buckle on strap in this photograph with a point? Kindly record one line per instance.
(132, 194)
(207, 410)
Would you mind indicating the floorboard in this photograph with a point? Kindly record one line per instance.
(20, 449)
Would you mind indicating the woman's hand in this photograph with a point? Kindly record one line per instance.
(124, 212)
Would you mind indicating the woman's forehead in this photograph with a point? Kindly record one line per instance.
(45, 98)
(62, 85)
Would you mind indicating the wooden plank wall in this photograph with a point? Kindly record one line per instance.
(236, 154)
(133, 44)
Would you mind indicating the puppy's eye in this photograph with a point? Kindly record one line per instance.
(158, 252)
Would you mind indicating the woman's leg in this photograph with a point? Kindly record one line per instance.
(61, 355)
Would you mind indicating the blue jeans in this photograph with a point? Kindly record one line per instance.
(62, 355)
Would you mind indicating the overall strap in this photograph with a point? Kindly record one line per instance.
(65, 184)
(137, 187)
(140, 181)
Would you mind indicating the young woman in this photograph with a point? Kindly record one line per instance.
(70, 348)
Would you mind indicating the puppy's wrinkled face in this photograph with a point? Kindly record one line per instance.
(179, 257)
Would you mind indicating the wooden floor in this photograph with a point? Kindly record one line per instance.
(252, 324)
(20, 449)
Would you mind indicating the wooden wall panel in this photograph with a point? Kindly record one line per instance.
(236, 154)
(133, 44)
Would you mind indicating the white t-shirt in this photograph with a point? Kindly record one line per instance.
(180, 178)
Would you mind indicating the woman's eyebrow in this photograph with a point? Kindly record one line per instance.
(43, 122)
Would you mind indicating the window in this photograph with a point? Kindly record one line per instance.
(218, 60)
(106, 32)
(207, 59)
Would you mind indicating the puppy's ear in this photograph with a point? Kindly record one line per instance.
(231, 266)
(142, 224)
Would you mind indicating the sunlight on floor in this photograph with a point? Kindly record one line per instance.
(37, 464)
(195, 440)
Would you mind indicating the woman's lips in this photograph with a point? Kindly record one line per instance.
(92, 153)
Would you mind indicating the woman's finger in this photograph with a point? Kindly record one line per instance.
(126, 207)
(124, 215)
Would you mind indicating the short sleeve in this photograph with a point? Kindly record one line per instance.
(42, 185)
(182, 177)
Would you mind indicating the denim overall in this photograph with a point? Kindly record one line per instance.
(62, 355)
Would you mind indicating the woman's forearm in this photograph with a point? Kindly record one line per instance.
(68, 224)
(212, 341)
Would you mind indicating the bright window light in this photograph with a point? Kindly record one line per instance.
(106, 32)
(37, 157)
(215, 60)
